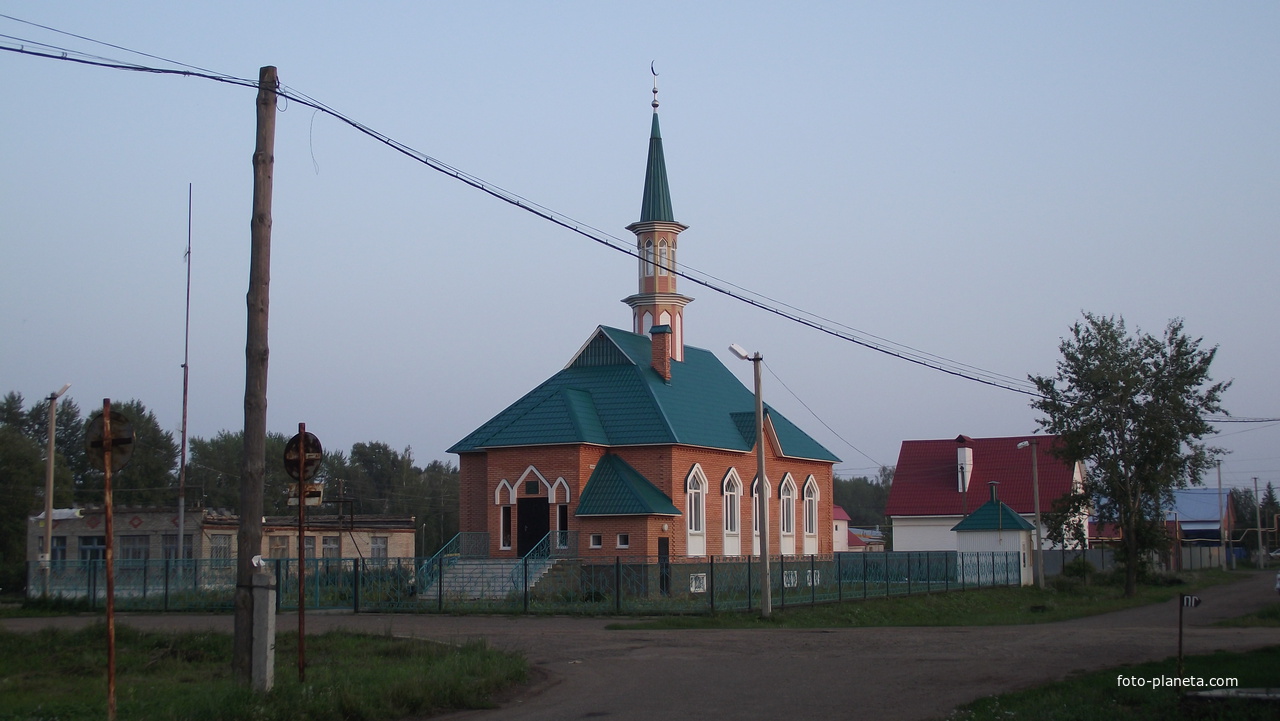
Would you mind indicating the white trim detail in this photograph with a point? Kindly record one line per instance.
(545, 483)
(696, 512)
(731, 511)
(787, 515)
(560, 483)
(511, 493)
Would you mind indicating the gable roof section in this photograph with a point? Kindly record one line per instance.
(609, 395)
(617, 489)
(994, 515)
(925, 481)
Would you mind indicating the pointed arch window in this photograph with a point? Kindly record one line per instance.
(647, 261)
(788, 510)
(810, 507)
(664, 259)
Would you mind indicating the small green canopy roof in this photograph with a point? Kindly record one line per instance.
(993, 515)
(617, 489)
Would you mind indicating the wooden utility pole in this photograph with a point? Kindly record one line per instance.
(253, 470)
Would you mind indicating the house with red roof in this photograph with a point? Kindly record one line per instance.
(938, 483)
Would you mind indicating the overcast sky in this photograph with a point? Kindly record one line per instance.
(964, 179)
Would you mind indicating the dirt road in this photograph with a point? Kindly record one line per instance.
(585, 671)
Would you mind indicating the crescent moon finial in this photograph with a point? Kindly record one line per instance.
(655, 86)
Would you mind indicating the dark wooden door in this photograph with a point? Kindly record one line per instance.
(533, 522)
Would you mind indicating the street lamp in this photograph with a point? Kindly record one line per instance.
(48, 486)
(1035, 498)
(766, 602)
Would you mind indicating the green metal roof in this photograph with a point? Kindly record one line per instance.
(609, 395)
(994, 515)
(656, 204)
(617, 489)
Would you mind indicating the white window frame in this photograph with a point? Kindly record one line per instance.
(648, 258)
(695, 506)
(624, 540)
(504, 527)
(664, 257)
(597, 540)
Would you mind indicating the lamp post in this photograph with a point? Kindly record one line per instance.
(766, 601)
(1035, 498)
(48, 486)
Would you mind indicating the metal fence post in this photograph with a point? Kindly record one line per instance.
(166, 584)
(617, 584)
(525, 564)
(908, 573)
(813, 582)
(749, 565)
(839, 578)
(711, 581)
(279, 594)
(440, 583)
(355, 584)
(782, 576)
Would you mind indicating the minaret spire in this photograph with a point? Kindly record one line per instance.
(657, 303)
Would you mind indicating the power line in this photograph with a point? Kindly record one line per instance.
(706, 280)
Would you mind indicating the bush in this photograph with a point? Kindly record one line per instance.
(1079, 568)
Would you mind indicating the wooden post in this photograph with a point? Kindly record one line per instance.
(253, 470)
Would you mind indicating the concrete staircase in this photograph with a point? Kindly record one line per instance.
(472, 579)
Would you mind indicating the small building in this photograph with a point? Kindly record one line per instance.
(931, 486)
(840, 536)
(151, 533)
(995, 527)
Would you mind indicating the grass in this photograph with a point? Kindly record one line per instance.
(986, 607)
(1099, 694)
(61, 675)
(1268, 615)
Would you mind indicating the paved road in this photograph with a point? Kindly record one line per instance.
(585, 671)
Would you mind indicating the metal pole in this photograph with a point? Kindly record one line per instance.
(186, 357)
(1257, 504)
(766, 601)
(302, 552)
(1222, 522)
(1035, 493)
(48, 486)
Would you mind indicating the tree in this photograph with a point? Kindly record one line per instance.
(864, 498)
(150, 478)
(21, 494)
(1133, 409)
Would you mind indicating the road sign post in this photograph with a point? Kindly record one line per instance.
(302, 456)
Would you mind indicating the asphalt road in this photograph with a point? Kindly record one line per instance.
(584, 671)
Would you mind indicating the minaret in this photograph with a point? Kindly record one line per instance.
(657, 302)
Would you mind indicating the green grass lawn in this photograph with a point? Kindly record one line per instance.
(1102, 694)
(61, 675)
(985, 607)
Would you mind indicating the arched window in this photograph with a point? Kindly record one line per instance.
(732, 490)
(788, 510)
(663, 259)
(810, 507)
(695, 501)
(647, 262)
(695, 512)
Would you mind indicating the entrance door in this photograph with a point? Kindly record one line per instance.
(534, 521)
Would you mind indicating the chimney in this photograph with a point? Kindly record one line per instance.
(661, 343)
(964, 463)
(993, 484)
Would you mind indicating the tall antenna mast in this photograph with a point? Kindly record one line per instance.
(186, 355)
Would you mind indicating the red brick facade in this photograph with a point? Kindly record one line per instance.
(562, 472)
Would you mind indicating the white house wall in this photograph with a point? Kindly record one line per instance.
(924, 533)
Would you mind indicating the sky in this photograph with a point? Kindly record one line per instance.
(962, 179)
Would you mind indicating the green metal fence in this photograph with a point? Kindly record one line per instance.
(463, 578)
